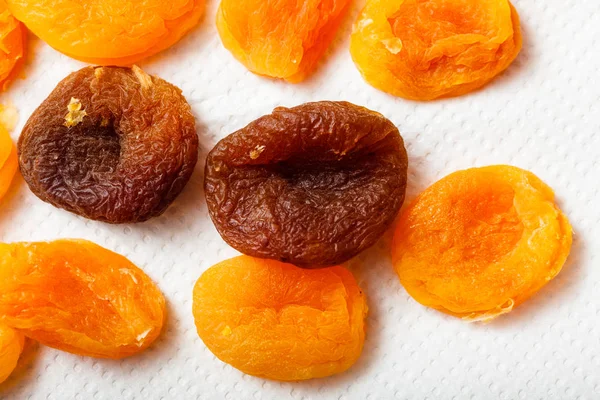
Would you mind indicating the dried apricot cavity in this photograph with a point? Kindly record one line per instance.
(12, 44)
(109, 32)
(277, 321)
(312, 185)
(425, 49)
(11, 346)
(481, 241)
(111, 144)
(281, 39)
(76, 296)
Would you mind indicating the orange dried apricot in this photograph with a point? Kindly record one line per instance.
(12, 44)
(481, 241)
(8, 161)
(279, 38)
(278, 321)
(109, 32)
(76, 296)
(11, 346)
(425, 49)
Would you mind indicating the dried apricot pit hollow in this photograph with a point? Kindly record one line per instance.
(425, 49)
(111, 144)
(481, 241)
(78, 297)
(312, 185)
(109, 32)
(277, 321)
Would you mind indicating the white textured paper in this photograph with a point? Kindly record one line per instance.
(543, 114)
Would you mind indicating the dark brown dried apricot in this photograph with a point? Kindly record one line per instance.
(110, 144)
(76, 296)
(312, 185)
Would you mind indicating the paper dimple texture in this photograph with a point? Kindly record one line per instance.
(543, 114)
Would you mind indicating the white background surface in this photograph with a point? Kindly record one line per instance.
(542, 115)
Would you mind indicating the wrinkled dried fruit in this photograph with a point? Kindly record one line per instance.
(481, 241)
(278, 321)
(8, 161)
(312, 185)
(109, 32)
(279, 38)
(76, 296)
(11, 346)
(425, 49)
(12, 44)
(110, 144)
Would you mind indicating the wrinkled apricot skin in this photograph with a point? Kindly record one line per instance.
(11, 346)
(111, 144)
(278, 321)
(312, 185)
(12, 45)
(109, 32)
(8, 161)
(280, 39)
(426, 49)
(78, 297)
(481, 241)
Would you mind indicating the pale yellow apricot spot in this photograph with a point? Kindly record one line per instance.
(75, 114)
(254, 154)
(144, 78)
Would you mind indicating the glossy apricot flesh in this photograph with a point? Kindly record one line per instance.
(8, 161)
(11, 346)
(279, 38)
(278, 321)
(109, 32)
(12, 44)
(78, 297)
(481, 241)
(425, 49)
